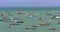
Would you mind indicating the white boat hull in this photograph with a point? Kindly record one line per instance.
(57, 17)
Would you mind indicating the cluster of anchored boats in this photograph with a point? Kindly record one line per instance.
(17, 21)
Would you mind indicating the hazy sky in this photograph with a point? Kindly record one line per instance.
(29, 3)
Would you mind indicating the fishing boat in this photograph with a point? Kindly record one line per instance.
(52, 28)
(57, 16)
(45, 24)
(32, 28)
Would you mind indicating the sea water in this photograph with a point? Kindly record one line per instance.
(28, 22)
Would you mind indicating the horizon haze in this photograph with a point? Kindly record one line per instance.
(29, 3)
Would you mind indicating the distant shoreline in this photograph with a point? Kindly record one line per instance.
(30, 7)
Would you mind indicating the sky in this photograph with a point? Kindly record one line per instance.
(29, 3)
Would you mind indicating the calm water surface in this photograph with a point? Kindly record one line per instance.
(28, 22)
